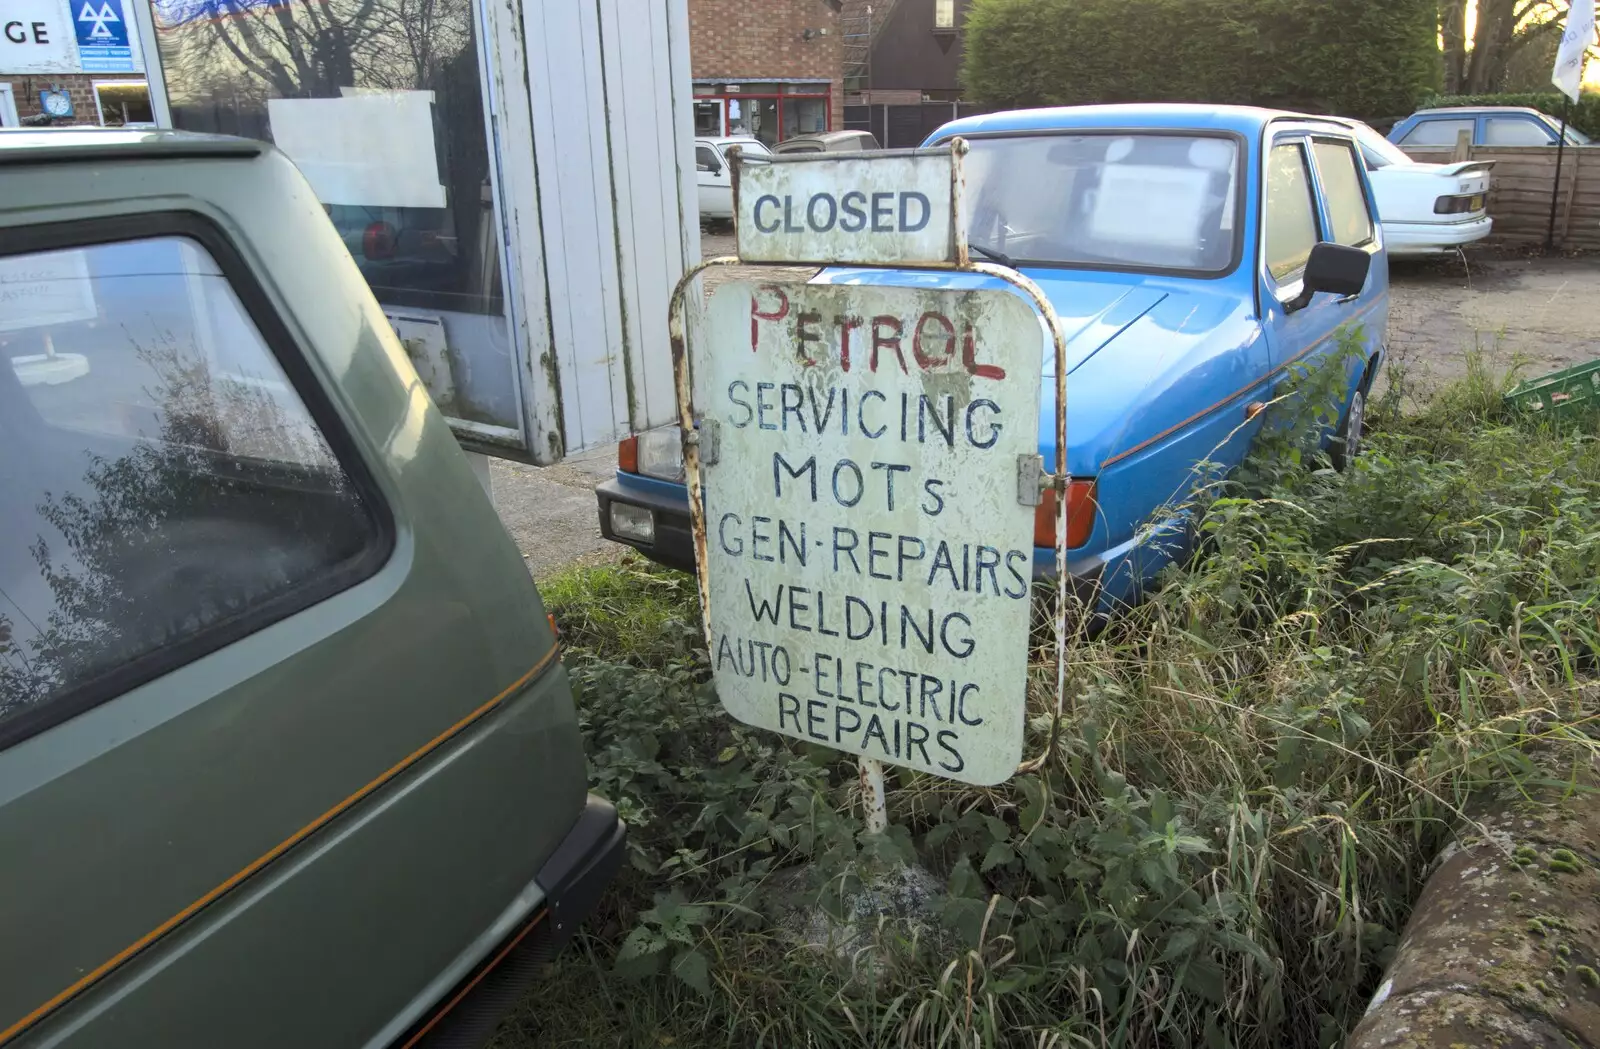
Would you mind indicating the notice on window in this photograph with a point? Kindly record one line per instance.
(37, 291)
(372, 148)
(869, 560)
(1150, 204)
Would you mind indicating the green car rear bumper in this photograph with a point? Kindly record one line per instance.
(573, 880)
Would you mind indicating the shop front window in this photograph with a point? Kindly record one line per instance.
(123, 103)
(756, 117)
(804, 116)
(775, 113)
(381, 107)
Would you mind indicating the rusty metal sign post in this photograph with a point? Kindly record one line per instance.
(865, 542)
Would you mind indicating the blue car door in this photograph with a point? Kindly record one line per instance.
(1295, 219)
(1350, 217)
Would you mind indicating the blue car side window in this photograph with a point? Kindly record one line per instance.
(1290, 211)
(1518, 130)
(1437, 131)
(1340, 176)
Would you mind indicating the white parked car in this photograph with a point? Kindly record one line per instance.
(1424, 208)
(712, 175)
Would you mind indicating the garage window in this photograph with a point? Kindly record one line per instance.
(1341, 186)
(1291, 214)
(164, 488)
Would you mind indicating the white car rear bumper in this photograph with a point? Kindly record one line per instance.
(1428, 238)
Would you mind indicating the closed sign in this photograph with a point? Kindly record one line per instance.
(868, 558)
(869, 208)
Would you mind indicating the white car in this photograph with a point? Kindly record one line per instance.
(711, 173)
(1425, 208)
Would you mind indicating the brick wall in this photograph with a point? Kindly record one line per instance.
(754, 39)
(25, 89)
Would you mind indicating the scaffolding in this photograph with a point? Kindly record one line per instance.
(859, 23)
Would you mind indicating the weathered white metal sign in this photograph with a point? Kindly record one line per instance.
(888, 207)
(869, 553)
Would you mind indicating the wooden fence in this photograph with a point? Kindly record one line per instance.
(1520, 184)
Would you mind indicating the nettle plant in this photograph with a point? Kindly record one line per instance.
(1254, 770)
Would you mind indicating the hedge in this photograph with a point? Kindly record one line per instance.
(1361, 58)
(1585, 114)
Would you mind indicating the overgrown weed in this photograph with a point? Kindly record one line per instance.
(1257, 767)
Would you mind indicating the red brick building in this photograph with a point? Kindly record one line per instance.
(769, 68)
(91, 77)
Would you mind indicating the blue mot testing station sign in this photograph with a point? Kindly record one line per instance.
(102, 30)
(869, 549)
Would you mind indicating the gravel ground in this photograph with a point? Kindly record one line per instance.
(1539, 314)
(551, 512)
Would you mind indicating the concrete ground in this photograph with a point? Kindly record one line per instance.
(1533, 313)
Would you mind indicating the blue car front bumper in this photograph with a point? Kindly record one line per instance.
(671, 540)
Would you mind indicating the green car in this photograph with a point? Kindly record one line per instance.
(287, 753)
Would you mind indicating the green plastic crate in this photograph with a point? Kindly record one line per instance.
(1566, 392)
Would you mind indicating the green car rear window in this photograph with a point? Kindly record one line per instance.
(163, 486)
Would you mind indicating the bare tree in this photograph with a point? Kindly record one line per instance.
(1503, 31)
(312, 48)
(1453, 40)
